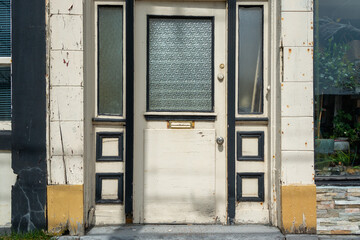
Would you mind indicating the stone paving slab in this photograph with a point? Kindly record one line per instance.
(192, 232)
(339, 237)
(181, 232)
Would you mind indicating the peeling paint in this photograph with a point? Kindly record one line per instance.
(298, 208)
(65, 209)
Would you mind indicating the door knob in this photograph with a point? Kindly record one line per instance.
(220, 76)
(220, 140)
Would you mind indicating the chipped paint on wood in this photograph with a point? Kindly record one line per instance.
(296, 5)
(74, 7)
(74, 170)
(66, 68)
(296, 132)
(65, 92)
(297, 167)
(298, 64)
(298, 201)
(296, 29)
(72, 132)
(66, 104)
(66, 32)
(109, 214)
(297, 99)
(179, 176)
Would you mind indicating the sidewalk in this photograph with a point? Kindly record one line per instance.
(192, 232)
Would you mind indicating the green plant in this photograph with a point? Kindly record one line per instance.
(342, 158)
(339, 158)
(34, 235)
(344, 127)
(335, 70)
(323, 160)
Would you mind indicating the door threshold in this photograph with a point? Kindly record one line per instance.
(190, 231)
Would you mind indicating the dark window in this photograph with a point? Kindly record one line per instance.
(337, 87)
(5, 60)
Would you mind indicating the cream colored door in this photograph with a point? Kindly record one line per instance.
(180, 112)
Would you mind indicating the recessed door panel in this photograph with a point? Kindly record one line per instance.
(179, 168)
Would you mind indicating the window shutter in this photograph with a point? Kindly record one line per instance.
(5, 93)
(5, 28)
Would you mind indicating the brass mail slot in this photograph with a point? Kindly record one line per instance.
(180, 124)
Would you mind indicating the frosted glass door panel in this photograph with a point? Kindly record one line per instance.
(110, 57)
(250, 60)
(180, 64)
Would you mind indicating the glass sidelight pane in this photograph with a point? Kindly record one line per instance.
(110, 57)
(250, 68)
(180, 64)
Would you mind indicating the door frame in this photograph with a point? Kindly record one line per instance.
(231, 161)
(129, 166)
(274, 115)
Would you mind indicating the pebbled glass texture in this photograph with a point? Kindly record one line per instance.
(110, 66)
(180, 64)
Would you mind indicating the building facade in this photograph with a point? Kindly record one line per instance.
(171, 112)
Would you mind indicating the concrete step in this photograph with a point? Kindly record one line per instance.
(196, 232)
(182, 232)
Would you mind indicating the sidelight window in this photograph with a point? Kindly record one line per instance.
(250, 59)
(110, 60)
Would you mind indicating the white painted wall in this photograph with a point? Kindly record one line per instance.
(297, 137)
(65, 92)
(7, 179)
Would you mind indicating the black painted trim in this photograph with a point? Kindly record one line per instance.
(260, 136)
(337, 181)
(120, 194)
(109, 120)
(179, 117)
(148, 17)
(260, 177)
(99, 142)
(28, 194)
(129, 28)
(251, 119)
(231, 109)
(5, 140)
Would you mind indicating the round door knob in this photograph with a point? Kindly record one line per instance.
(220, 140)
(220, 76)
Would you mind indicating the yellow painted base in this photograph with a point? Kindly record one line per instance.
(298, 208)
(65, 209)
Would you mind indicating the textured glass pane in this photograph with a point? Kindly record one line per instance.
(5, 43)
(250, 60)
(110, 60)
(180, 66)
(5, 93)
